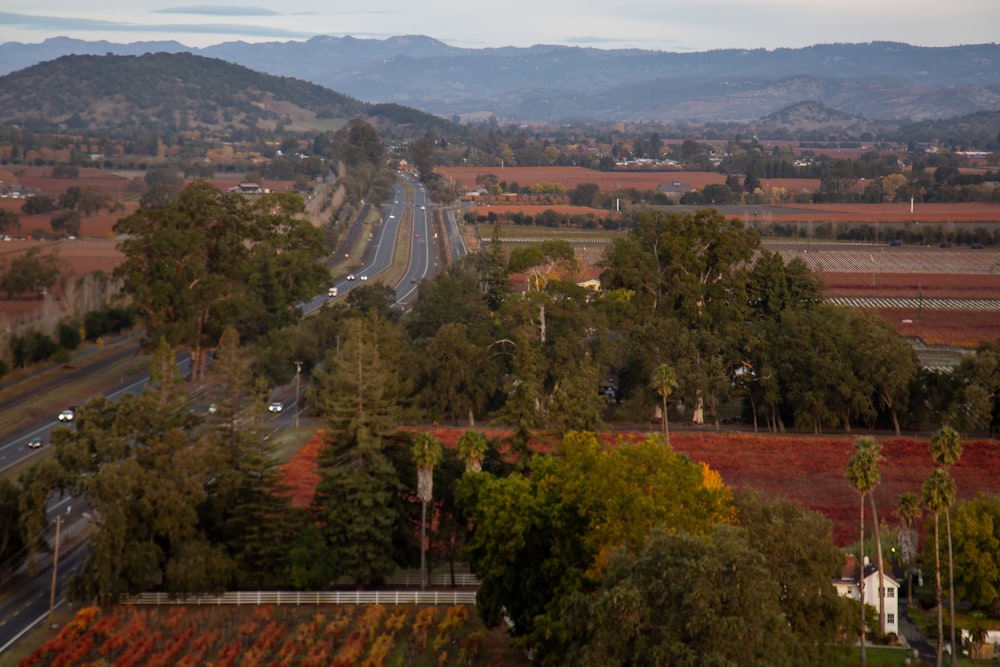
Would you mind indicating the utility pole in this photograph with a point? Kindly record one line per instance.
(298, 371)
(55, 570)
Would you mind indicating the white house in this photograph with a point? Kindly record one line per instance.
(847, 585)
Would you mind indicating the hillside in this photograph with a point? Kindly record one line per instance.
(877, 80)
(176, 92)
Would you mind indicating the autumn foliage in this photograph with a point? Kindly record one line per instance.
(347, 636)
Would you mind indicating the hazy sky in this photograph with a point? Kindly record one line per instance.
(666, 25)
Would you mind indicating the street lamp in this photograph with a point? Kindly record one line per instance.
(298, 371)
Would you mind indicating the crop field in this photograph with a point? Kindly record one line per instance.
(306, 636)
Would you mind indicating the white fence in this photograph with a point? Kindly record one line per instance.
(437, 580)
(311, 597)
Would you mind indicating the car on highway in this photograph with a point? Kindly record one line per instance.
(68, 415)
(413, 281)
(275, 407)
(332, 292)
(364, 277)
(350, 276)
(35, 443)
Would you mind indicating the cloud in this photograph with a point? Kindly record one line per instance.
(70, 24)
(218, 10)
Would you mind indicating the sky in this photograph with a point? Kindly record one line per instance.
(662, 25)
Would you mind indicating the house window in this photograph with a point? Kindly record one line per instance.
(890, 592)
(890, 619)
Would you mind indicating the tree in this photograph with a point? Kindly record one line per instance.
(938, 494)
(422, 157)
(577, 403)
(863, 476)
(976, 536)
(909, 512)
(455, 374)
(12, 544)
(31, 272)
(38, 205)
(427, 453)
(537, 539)
(798, 543)
(66, 223)
(140, 466)
(946, 449)
(664, 381)
(357, 508)
(213, 260)
(358, 387)
(665, 606)
(472, 446)
(357, 500)
(9, 221)
(247, 511)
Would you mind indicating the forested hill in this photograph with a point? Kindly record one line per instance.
(177, 92)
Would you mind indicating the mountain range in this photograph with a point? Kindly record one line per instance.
(544, 83)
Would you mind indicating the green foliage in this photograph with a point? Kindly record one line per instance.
(214, 260)
(38, 205)
(107, 320)
(541, 538)
(31, 347)
(358, 389)
(30, 272)
(682, 600)
(358, 508)
(975, 532)
(69, 335)
(12, 542)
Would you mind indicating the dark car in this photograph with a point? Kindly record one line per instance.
(976, 246)
(35, 443)
(895, 243)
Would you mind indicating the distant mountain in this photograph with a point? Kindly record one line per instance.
(879, 80)
(178, 92)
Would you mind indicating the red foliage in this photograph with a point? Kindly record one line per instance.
(302, 471)
(811, 470)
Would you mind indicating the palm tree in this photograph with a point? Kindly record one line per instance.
(472, 448)
(664, 382)
(938, 495)
(946, 449)
(909, 512)
(863, 476)
(427, 453)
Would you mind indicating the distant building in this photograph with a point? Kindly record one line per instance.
(248, 189)
(674, 189)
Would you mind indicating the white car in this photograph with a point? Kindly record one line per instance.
(275, 407)
(67, 415)
(350, 276)
(364, 277)
(332, 292)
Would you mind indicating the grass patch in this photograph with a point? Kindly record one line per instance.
(289, 441)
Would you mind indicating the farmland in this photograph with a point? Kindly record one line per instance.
(310, 636)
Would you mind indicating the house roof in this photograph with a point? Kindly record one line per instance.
(850, 571)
